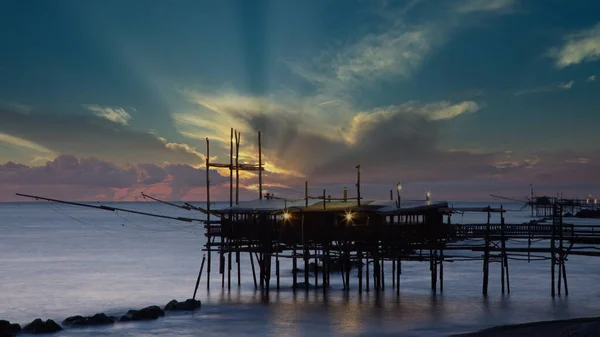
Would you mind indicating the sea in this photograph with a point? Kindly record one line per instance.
(59, 260)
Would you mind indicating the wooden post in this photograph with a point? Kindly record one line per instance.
(259, 168)
(441, 271)
(199, 275)
(503, 246)
(367, 273)
(552, 250)
(393, 273)
(277, 266)
(208, 215)
(253, 270)
(305, 267)
(229, 269)
(360, 272)
(238, 138)
(486, 256)
(294, 269)
(237, 260)
(324, 205)
(399, 271)
(306, 193)
(358, 184)
(316, 269)
(382, 273)
(231, 170)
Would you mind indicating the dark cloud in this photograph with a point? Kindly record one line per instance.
(84, 135)
(396, 143)
(151, 173)
(186, 178)
(90, 178)
(68, 170)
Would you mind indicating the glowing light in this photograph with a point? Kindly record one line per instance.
(286, 216)
(399, 187)
(349, 216)
(428, 195)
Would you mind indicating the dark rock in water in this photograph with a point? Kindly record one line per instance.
(188, 305)
(148, 313)
(588, 213)
(40, 327)
(97, 319)
(568, 215)
(8, 329)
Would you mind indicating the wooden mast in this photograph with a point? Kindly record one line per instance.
(260, 194)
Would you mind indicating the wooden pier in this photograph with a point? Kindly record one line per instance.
(327, 237)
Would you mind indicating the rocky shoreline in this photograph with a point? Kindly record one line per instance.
(38, 326)
(577, 327)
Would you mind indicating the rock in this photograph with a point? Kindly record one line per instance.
(568, 215)
(97, 319)
(188, 305)
(39, 327)
(148, 313)
(8, 329)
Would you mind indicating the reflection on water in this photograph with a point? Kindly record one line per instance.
(54, 266)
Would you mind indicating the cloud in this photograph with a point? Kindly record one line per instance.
(392, 53)
(549, 88)
(72, 178)
(469, 6)
(113, 114)
(299, 141)
(82, 135)
(583, 46)
(23, 143)
(566, 86)
(591, 79)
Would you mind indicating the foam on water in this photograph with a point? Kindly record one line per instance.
(59, 260)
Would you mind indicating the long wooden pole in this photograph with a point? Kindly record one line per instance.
(238, 139)
(259, 168)
(208, 209)
(199, 275)
(306, 193)
(358, 184)
(231, 168)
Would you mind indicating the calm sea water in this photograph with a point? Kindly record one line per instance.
(57, 261)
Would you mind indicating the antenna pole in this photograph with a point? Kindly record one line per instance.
(260, 194)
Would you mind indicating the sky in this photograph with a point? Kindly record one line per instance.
(104, 100)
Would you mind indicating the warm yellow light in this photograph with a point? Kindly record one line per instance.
(428, 194)
(399, 187)
(286, 216)
(348, 216)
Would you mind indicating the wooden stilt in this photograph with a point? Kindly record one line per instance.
(367, 273)
(294, 269)
(253, 270)
(441, 271)
(306, 268)
(360, 272)
(399, 271)
(199, 276)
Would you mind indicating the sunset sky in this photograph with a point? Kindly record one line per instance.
(102, 100)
